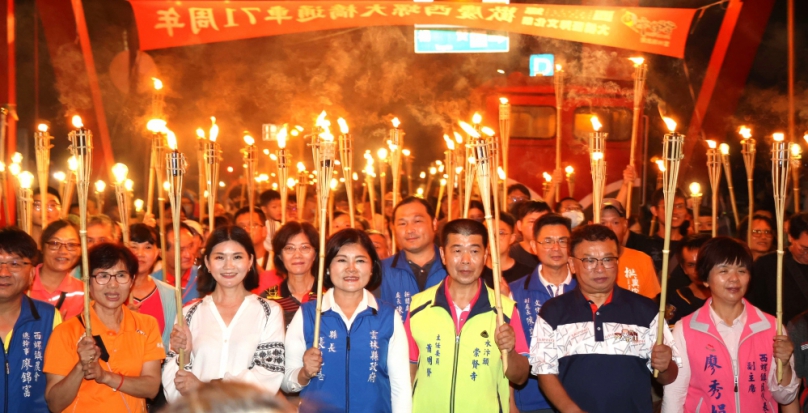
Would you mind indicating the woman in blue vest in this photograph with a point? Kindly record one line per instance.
(372, 373)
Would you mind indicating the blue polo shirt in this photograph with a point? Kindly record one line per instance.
(601, 355)
(399, 282)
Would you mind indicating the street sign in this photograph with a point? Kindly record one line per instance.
(542, 65)
(443, 40)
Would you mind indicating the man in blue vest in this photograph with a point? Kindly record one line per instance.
(25, 326)
(551, 234)
(417, 266)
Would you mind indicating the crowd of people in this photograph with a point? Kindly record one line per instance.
(413, 329)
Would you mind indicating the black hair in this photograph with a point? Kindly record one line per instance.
(106, 255)
(143, 233)
(797, 225)
(475, 204)
(464, 227)
(102, 219)
(743, 228)
(246, 210)
(268, 196)
(591, 233)
(54, 227)
(517, 187)
(285, 233)
(561, 201)
(220, 221)
(206, 283)
(348, 236)
(722, 250)
(170, 230)
(659, 196)
(550, 219)
(16, 241)
(51, 191)
(691, 242)
(412, 199)
(508, 219)
(525, 208)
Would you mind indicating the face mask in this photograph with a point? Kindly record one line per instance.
(577, 217)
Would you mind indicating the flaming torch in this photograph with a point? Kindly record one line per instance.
(748, 150)
(100, 187)
(724, 149)
(408, 169)
(450, 175)
(382, 154)
(558, 82)
(714, 167)
(781, 163)
(120, 171)
(482, 155)
(6, 211)
(26, 194)
(212, 157)
(695, 196)
(640, 71)
(346, 161)
(548, 180)
(175, 168)
(672, 155)
(200, 162)
(158, 129)
(796, 157)
(249, 159)
(283, 171)
(325, 165)
(302, 182)
(81, 147)
(570, 172)
(598, 166)
(158, 99)
(471, 162)
(42, 143)
(369, 186)
(505, 136)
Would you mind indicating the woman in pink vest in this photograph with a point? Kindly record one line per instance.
(729, 348)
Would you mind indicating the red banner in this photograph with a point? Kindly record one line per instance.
(163, 24)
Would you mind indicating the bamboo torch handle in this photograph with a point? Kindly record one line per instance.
(320, 275)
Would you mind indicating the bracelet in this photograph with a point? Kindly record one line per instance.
(120, 384)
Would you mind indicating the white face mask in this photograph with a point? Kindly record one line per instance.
(577, 217)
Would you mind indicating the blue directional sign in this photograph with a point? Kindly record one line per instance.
(445, 40)
(542, 65)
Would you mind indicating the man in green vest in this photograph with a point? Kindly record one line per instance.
(456, 348)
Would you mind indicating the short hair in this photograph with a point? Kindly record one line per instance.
(348, 236)
(551, 219)
(722, 250)
(691, 242)
(143, 233)
(743, 229)
(560, 201)
(102, 219)
(106, 255)
(16, 241)
(268, 196)
(659, 196)
(592, 233)
(170, 230)
(797, 225)
(517, 187)
(51, 191)
(246, 210)
(526, 208)
(285, 233)
(411, 200)
(206, 283)
(475, 204)
(220, 221)
(466, 227)
(508, 219)
(50, 231)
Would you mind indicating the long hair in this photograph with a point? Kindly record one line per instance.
(205, 281)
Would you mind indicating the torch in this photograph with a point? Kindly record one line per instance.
(119, 171)
(15, 169)
(598, 166)
(408, 169)
(157, 127)
(200, 162)
(672, 155)
(545, 186)
(714, 167)
(505, 136)
(70, 184)
(370, 186)
(26, 195)
(558, 83)
(724, 149)
(796, 156)
(212, 157)
(346, 161)
(781, 164)
(325, 166)
(249, 159)
(570, 172)
(450, 175)
(302, 182)
(42, 143)
(460, 159)
(748, 150)
(6, 211)
(640, 71)
(283, 171)
(81, 147)
(158, 98)
(471, 161)
(482, 155)
(100, 187)
(382, 154)
(695, 196)
(175, 169)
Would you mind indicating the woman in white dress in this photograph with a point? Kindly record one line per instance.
(230, 334)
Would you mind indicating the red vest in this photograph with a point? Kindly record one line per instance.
(715, 386)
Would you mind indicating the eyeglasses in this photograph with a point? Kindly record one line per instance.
(592, 263)
(762, 233)
(56, 245)
(572, 208)
(548, 242)
(102, 278)
(15, 266)
(51, 206)
(304, 249)
(516, 199)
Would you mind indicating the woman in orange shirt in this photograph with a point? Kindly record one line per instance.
(118, 370)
